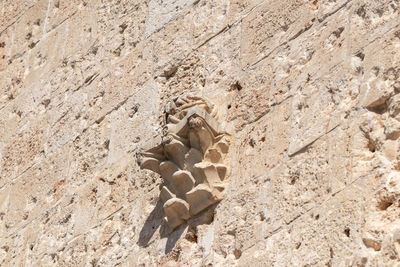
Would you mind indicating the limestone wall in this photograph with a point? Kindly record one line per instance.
(307, 89)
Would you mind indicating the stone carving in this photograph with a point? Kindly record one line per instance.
(191, 158)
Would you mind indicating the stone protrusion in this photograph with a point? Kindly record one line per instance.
(205, 139)
(151, 164)
(167, 169)
(200, 198)
(176, 211)
(183, 181)
(213, 155)
(176, 151)
(209, 172)
(191, 158)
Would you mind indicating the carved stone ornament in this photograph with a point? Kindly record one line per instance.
(191, 158)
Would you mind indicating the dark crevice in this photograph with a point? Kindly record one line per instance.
(378, 109)
(385, 203)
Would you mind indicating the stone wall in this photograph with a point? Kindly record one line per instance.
(307, 89)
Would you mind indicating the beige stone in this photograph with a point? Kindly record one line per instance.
(199, 133)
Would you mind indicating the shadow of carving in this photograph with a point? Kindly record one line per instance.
(151, 225)
(206, 217)
(155, 222)
(173, 236)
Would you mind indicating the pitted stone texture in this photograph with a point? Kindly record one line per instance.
(309, 90)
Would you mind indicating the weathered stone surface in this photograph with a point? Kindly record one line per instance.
(308, 91)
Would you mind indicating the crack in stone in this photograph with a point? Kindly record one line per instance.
(17, 19)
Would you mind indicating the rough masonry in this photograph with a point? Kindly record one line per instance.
(278, 146)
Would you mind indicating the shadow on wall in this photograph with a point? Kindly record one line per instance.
(155, 221)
